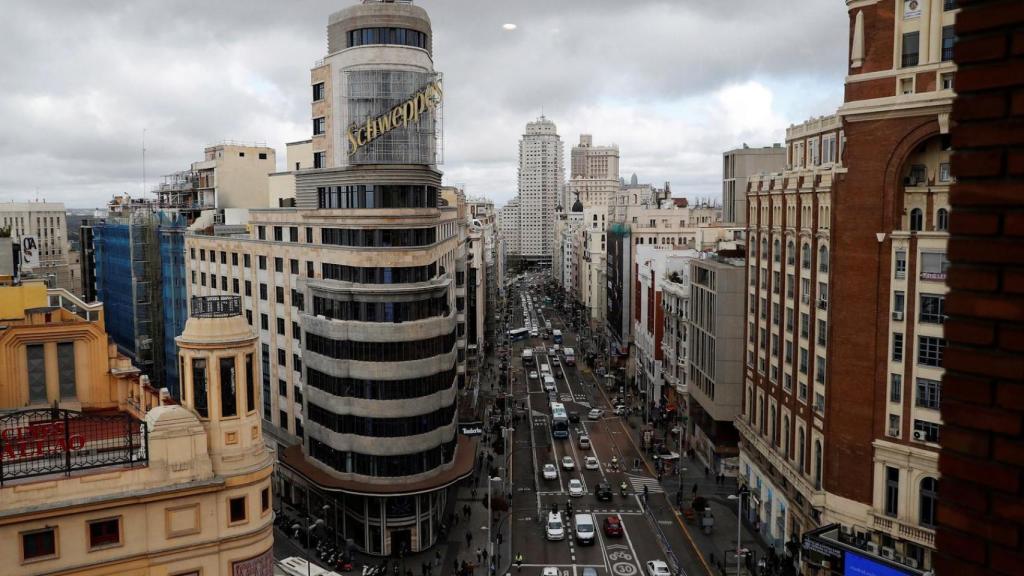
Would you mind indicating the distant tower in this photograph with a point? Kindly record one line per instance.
(217, 359)
(541, 180)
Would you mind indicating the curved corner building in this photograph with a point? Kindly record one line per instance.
(379, 355)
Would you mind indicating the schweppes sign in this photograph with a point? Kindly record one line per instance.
(400, 116)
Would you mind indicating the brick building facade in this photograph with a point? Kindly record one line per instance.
(980, 516)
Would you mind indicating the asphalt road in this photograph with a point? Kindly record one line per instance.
(610, 437)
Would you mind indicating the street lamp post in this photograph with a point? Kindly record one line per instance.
(739, 524)
(309, 528)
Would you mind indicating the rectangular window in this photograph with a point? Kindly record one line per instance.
(892, 491)
(933, 308)
(200, 399)
(898, 302)
(319, 126)
(278, 264)
(66, 370)
(928, 393)
(934, 265)
(263, 291)
(280, 326)
(821, 332)
(246, 260)
(39, 543)
(248, 288)
(282, 386)
(895, 388)
(294, 266)
(803, 360)
(318, 91)
(894, 425)
(236, 510)
(261, 232)
(319, 159)
(279, 294)
(911, 41)
(264, 322)
(926, 431)
(228, 393)
(897, 347)
(901, 264)
(250, 387)
(265, 500)
(948, 41)
(262, 261)
(278, 234)
(929, 350)
(104, 532)
(293, 233)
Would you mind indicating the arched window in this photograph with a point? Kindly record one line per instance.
(823, 259)
(916, 220)
(805, 257)
(785, 436)
(801, 444)
(942, 219)
(790, 253)
(928, 499)
(778, 250)
(817, 464)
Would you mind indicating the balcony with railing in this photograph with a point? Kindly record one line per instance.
(903, 530)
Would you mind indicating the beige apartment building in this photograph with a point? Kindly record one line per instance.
(143, 486)
(47, 222)
(737, 167)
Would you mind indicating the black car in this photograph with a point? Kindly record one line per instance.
(574, 416)
(603, 491)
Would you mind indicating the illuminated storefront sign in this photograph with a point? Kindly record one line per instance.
(399, 116)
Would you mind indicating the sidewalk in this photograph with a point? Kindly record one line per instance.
(717, 548)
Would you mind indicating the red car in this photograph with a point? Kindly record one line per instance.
(612, 526)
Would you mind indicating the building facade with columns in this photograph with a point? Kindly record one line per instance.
(143, 486)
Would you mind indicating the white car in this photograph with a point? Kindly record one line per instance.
(550, 571)
(550, 472)
(575, 488)
(657, 568)
(620, 409)
(533, 374)
(595, 414)
(591, 463)
(568, 463)
(554, 529)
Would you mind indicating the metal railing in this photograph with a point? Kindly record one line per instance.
(216, 306)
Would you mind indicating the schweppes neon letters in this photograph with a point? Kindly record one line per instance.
(401, 115)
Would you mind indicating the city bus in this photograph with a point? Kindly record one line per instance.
(518, 334)
(559, 420)
(557, 336)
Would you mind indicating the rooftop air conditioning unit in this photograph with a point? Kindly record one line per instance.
(888, 552)
(897, 316)
(910, 561)
(873, 547)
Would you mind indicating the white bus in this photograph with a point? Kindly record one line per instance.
(559, 420)
(518, 334)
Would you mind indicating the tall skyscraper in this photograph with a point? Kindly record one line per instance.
(359, 293)
(541, 181)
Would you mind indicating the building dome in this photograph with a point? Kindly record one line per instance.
(577, 206)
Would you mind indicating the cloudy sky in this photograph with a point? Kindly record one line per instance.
(673, 82)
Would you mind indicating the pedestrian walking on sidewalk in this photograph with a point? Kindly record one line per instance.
(478, 555)
(469, 538)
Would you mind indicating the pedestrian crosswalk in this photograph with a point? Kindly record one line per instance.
(638, 483)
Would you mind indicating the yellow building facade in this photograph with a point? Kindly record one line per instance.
(101, 474)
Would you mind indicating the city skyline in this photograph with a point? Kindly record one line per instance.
(134, 69)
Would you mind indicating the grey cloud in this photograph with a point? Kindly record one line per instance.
(83, 78)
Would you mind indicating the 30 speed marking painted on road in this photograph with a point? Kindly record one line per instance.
(621, 560)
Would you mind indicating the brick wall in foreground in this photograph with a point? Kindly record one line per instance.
(981, 510)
